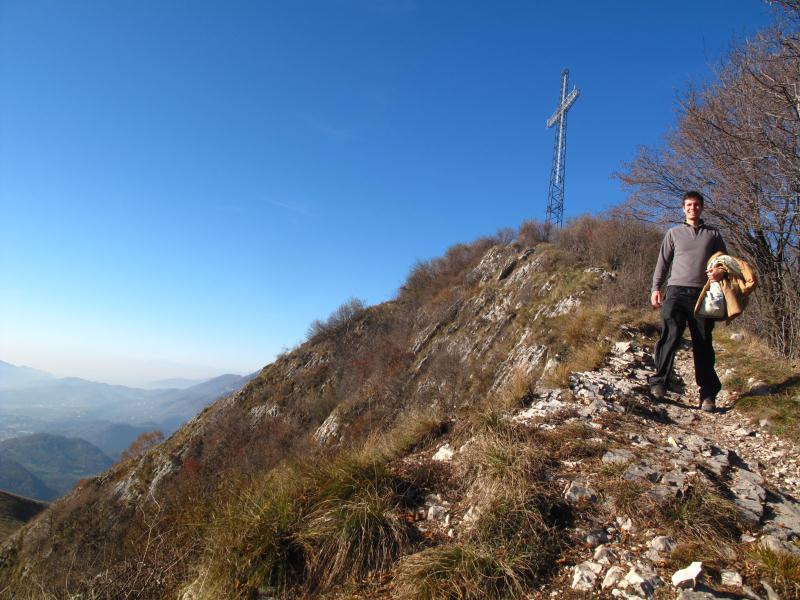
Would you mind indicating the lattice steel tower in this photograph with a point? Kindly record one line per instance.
(555, 193)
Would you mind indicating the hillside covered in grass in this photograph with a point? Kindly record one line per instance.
(57, 461)
(422, 448)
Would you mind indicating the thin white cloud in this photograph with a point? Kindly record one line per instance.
(298, 209)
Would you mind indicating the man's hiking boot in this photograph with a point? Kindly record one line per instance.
(708, 404)
(658, 392)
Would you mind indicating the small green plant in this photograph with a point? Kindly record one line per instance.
(627, 496)
(781, 568)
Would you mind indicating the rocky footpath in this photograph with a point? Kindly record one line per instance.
(666, 449)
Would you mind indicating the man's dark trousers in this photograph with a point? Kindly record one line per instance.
(677, 311)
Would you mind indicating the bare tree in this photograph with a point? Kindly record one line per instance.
(738, 140)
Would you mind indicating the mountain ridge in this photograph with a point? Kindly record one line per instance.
(74, 403)
(501, 397)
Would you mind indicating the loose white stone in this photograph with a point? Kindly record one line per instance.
(585, 575)
(605, 555)
(619, 456)
(622, 347)
(597, 537)
(472, 514)
(685, 578)
(633, 577)
(625, 523)
(771, 593)
(445, 453)
(613, 577)
(577, 493)
(731, 578)
(663, 543)
(437, 513)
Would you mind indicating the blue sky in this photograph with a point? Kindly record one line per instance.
(185, 186)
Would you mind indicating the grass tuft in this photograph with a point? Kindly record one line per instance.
(310, 527)
(587, 357)
(254, 540)
(700, 514)
(463, 571)
(509, 549)
(781, 568)
(706, 526)
(355, 526)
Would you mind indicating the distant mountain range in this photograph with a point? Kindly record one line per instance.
(111, 438)
(108, 416)
(178, 383)
(12, 376)
(41, 398)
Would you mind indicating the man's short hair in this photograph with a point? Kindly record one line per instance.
(694, 195)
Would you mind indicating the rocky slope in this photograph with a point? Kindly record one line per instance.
(486, 435)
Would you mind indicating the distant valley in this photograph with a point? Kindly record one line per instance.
(54, 431)
(33, 401)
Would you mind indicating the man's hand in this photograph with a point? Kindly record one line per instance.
(655, 299)
(716, 273)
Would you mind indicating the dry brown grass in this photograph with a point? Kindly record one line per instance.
(706, 526)
(517, 538)
(313, 525)
(510, 547)
(587, 357)
(766, 386)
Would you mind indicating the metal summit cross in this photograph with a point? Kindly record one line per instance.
(555, 193)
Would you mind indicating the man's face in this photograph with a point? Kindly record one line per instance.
(692, 209)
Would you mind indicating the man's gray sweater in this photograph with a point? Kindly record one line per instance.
(687, 250)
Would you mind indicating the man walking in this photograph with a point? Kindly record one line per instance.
(686, 249)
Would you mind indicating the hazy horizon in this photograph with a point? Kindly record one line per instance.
(129, 372)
